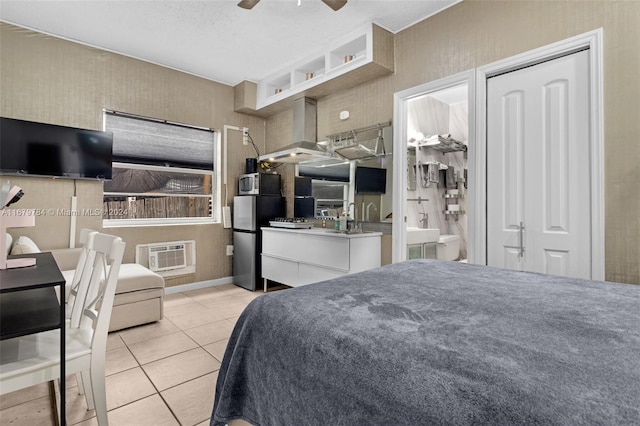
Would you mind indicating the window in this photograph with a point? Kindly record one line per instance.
(163, 172)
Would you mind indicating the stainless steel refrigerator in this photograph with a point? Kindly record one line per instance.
(250, 212)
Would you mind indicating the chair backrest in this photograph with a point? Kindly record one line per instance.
(108, 251)
(81, 276)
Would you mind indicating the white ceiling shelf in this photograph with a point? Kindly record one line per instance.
(363, 55)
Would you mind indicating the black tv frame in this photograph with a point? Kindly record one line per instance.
(29, 148)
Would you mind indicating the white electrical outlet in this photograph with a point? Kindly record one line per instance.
(245, 136)
(229, 250)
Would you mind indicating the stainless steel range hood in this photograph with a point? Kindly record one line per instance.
(304, 147)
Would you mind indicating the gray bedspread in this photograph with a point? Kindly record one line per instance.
(432, 342)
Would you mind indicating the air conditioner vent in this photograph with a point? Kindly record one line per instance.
(168, 259)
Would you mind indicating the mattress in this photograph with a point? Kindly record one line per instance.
(436, 342)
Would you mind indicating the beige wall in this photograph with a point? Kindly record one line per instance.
(478, 32)
(55, 81)
(50, 80)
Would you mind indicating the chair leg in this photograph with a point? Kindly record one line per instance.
(99, 395)
(88, 389)
(54, 393)
(80, 382)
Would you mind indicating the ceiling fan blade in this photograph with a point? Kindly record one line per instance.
(248, 4)
(335, 4)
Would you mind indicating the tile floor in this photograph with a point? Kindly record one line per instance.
(158, 374)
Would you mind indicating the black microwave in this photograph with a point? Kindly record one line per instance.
(259, 184)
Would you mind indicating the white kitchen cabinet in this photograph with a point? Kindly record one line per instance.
(298, 257)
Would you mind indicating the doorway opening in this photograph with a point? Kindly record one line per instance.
(433, 145)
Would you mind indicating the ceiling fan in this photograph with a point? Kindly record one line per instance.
(333, 4)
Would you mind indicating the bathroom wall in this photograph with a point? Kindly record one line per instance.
(430, 116)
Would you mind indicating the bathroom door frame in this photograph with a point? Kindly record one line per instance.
(477, 199)
(400, 137)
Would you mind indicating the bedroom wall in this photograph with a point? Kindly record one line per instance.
(50, 80)
(478, 32)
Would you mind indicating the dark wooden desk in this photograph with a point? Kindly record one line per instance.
(28, 304)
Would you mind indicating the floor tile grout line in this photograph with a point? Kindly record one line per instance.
(158, 392)
(140, 366)
(160, 395)
(232, 319)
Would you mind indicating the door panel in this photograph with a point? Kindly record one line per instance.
(506, 178)
(512, 144)
(556, 151)
(538, 168)
(555, 262)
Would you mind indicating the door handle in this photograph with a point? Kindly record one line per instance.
(521, 254)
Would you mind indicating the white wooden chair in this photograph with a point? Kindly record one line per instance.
(79, 284)
(36, 357)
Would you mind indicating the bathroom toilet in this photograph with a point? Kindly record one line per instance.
(448, 247)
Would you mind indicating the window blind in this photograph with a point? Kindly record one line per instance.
(147, 141)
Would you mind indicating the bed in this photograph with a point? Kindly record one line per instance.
(435, 342)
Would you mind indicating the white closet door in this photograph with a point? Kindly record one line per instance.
(538, 168)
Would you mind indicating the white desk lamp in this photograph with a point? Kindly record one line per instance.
(9, 195)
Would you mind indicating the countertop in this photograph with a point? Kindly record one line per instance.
(328, 232)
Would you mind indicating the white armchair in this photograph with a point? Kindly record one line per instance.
(139, 292)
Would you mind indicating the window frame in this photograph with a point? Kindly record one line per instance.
(346, 189)
(216, 184)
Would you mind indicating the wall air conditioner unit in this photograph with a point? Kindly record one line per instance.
(168, 258)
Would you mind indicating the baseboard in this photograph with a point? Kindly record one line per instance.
(196, 286)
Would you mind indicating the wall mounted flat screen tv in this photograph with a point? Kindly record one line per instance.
(370, 180)
(39, 149)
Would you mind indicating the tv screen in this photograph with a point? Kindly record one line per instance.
(370, 180)
(39, 149)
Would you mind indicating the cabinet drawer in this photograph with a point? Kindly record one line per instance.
(280, 244)
(312, 274)
(325, 251)
(280, 270)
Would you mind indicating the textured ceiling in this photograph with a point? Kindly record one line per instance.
(214, 39)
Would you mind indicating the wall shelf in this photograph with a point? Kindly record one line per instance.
(345, 55)
(280, 84)
(308, 71)
(363, 55)
(446, 145)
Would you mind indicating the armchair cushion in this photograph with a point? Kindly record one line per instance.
(139, 292)
(135, 277)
